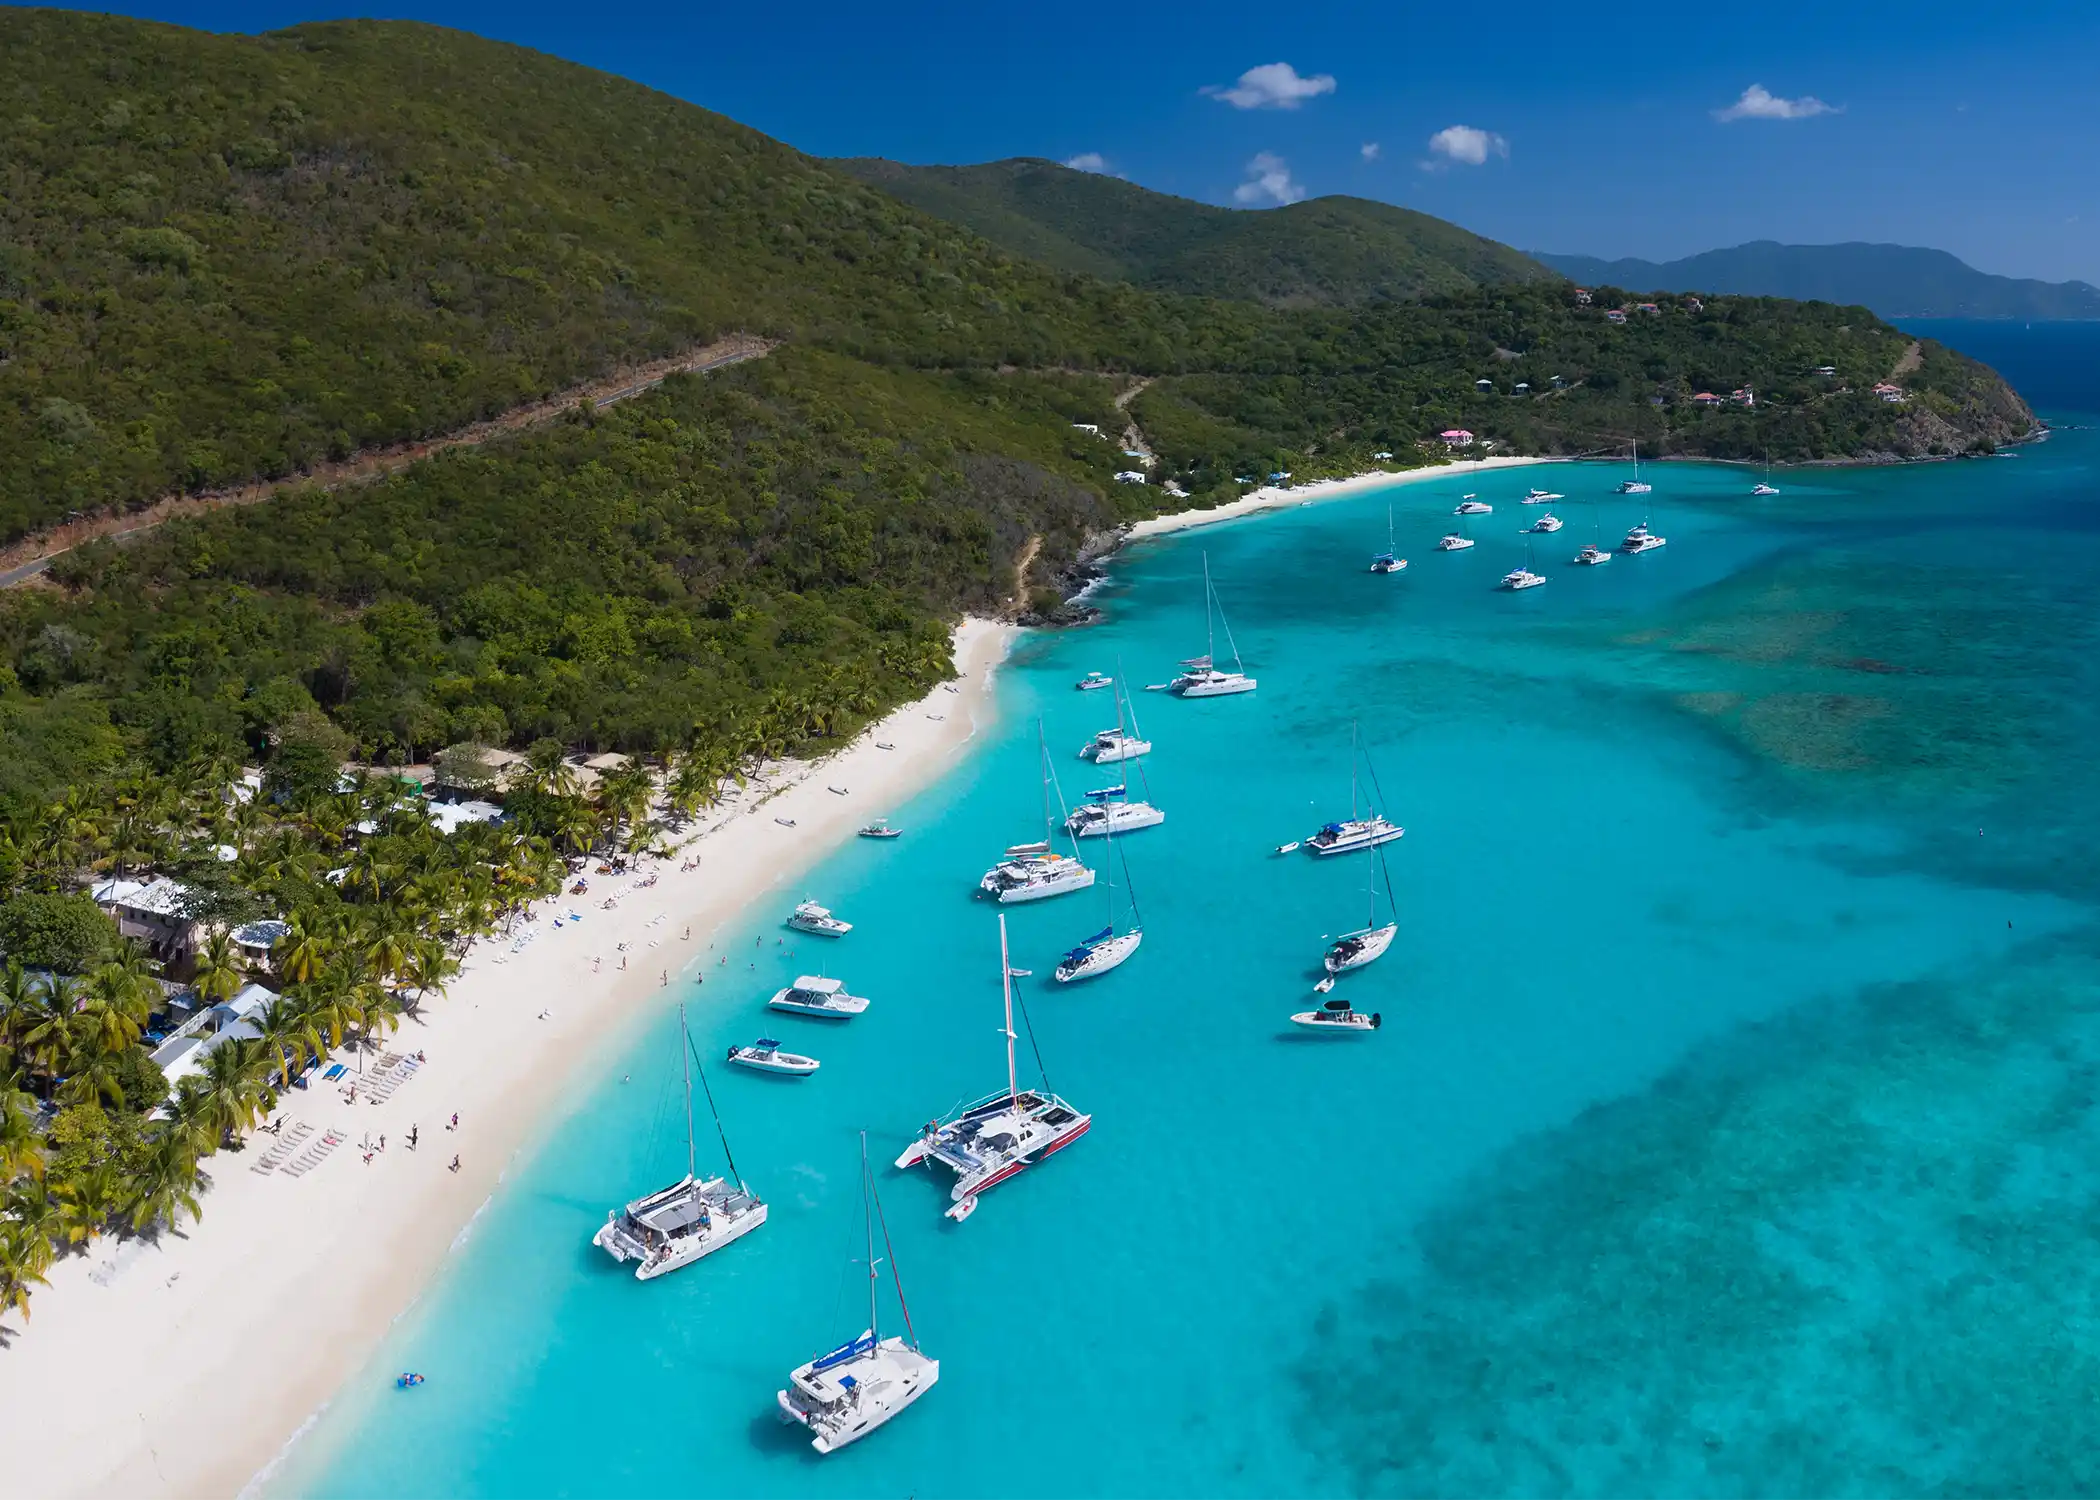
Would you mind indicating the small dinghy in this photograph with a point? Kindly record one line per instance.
(812, 918)
(811, 996)
(1324, 985)
(1290, 848)
(1335, 1018)
(880, 829)
(765, 1056)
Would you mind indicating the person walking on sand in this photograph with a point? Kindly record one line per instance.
(411, 1137)
(455, 1165)
(455, 1121)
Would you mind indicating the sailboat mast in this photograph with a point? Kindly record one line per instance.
(1352, 769)
(1006, 985)
(867, 1206)
(686, 1060)
(1042, 751)
(1210, 629)
(721, 1131)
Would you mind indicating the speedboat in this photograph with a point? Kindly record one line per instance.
(1547, 523)
(1352, 834)
(880, 829)
(1535, 496)
(765, 1056)
(1764, 489)
(1641, 539)
(1001, 1135)
(1094, 681)
(1111, 745)
(1520, 578)
(1591, 555)
(812, 996)
(1110, 810)
(812, 918)
(1352, 950)
(1335, 1018)
(1098, 954)
(693, 1217)
(1453, 541)
(1471, 507)
(843, 1396)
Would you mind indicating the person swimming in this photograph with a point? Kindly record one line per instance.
(407, 1379)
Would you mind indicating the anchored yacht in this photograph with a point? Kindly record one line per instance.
(1591, 555)
(843, 1396)
(812, 918)
(1201, 677)
(1764, 489)
(1521, 578)
(1354, 833)
(1635, 485)
(1034, 872)
(1335, 1018)
(1111, 745)
(694, 1216)
(1388, 561)
(1471, 507)
(810, 995)
(1352, 950)
(1108, 948)
(1108, 810)
(1549, 522)
(1454, 541)
(1003, 1134)
(1094, 681)
(765, 1056)
(1641, 539)
(1536, 496)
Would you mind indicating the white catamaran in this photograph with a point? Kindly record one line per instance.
(1388, 561)
(1355, 832)
(694, 1216)
(1035, 872)
(1110, 746)
(843, 1396)
(1635, 485)
(1002, 1134)
(1202, 677)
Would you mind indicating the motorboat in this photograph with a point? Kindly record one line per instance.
(1035, 871)
(818, 921)
(1335, 1018)
(1094, 682)
(1536, 496)
(1353, 833)
(1641, 539)
(811, 995)
(1548, 523)
(693, 1217)
(1201, 676)
(880, 829)
(1112, 745)
(1003, 1134)
(1635, 485)
(1471, 507)
(1388, 561)
(846, 1394)
(765, 1056)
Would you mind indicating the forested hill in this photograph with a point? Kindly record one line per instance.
(1327, 251)
(1896, 281)
(223, 257)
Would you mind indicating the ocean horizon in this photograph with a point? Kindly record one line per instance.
(1731, 1128)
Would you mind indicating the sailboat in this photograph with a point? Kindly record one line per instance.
(1352, 950)
(1112, 745)
(1201, 677)
(1356, 833)
(1522, 578)
(1593, 552)
(1034, 872)
(694, 1216)
(843, 1396)
(1635, 485)
(1641, 539)
(1002, 1134)
(1387, 561)
(1765, 485)
(1455, 541)
(1111, 809)
(1107, 948)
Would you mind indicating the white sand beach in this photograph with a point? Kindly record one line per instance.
(183, 1367)
(1274, 497)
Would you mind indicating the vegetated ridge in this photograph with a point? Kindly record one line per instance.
(1326, 251)
(1896, 281)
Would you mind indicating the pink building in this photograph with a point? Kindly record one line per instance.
(1706, 398)
(1457, 437)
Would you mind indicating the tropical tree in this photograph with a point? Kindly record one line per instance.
(87, 1200)
(300, 954)
(232, 1077)
(20, 1155)
(287, 1035)
(220, 972)
(24, 1256)
(166, 1185)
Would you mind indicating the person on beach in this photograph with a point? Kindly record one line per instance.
(455, 1121)
(411, 1137)
(455, 1165)
(665, 981)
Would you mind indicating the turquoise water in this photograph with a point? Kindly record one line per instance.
(1733, 1127)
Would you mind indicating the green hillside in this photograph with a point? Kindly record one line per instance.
(1326, 252)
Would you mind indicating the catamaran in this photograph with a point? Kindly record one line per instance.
(694, 1216)
(1641, 539)
(1035, 872)
(1549, 523)
(811, 995)
(1111, 809)
(1765, 486)
(1201, 676)
(1593, 552)
(1455, 541)
(1112, 745)
(812, 918)
(1352, 950)
(1002, 1134)
(1472, 507)
(1522, 578)
(1107, 948)
(1388, 561)
(1355, 833)
(1635, 485)
(843, 1396)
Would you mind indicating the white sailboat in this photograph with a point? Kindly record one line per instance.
(1002, 1134)
(1455, 541)
(1765, 486)
(1201, 676)
(1110, 746)
(1035, 871)
(1472, 507)
(1522, 578)
(1593, 552)
(1548, 523)
(1352, 950)
(1108, 948)
(1388, 561)
(843, 1396)
(1355, 833)
(694, 1216)
(1635, 485)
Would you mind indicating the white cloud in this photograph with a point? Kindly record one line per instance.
(1088, 161)
(1369, 150)
(1268, 181)
(1272, 86)
(1760, 103)
(1467, 145)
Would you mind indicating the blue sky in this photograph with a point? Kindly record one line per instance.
(1969, 128)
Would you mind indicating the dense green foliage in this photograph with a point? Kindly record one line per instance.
(1897, 281)
(47, 930)
(1329, 251)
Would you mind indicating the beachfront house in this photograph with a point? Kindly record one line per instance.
(1381, 455)
(150, 912)
(1130, 476)
(234, 1020)
(1648, 307)
(450, 816)
(256, 939)
(1706, 398)
(1889, 392)
(1456, 437)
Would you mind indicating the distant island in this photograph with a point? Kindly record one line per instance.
(1895, 281)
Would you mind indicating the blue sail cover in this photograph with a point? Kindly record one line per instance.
(1332, 828)
(1110, 791)
(1086, 949)
(865, 1344)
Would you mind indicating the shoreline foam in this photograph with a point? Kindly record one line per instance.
(288, 1285)
(1276, 497)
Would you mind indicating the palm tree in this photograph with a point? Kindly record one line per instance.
(288, 1035)
(300, 953)
(190, 1117)
(20, 1250)
(47, 1038)
(165, 1184)
(19, 1152)
(429, 966)
(233, 1086)
(115, 1010)
(220, 972)
(88, 1200)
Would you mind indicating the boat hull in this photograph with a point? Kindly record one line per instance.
(1356, 844)
(826, 1012)
(682, 1253)
(1354, 950)
(827, 929)
(1042, 890)
(1103, 956)
(1358, 1025)
(802, 1067)
(1128, 817)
